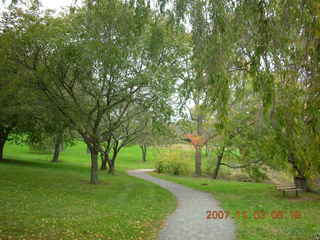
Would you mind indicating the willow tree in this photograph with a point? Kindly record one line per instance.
(237, 42)
(284, 70)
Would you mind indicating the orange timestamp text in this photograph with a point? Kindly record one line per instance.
(258, 214)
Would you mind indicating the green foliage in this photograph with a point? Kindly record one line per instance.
(99, 67)
(43, 146)
(240, 45)
(256, 174)
(101, 64)
(173, 163)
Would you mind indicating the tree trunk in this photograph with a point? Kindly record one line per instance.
(218, 164)
(198, 161)
(144, 152)
(105, 160)
(57, 147)
(112, 162)
(292, 161)
(207, 150)
(4, 133)
(198, 148)
(62, 146)
(2, 142)
(94, 166)
(301, 182)
(111, 167)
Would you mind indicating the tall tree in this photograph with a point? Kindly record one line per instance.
(102, 58)
(16, 115)
(242, 42)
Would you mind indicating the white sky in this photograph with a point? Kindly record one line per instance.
(56, 4)
(46, 4)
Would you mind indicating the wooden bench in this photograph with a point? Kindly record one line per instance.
(289, 188)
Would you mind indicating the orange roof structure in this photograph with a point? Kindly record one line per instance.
(195, 140)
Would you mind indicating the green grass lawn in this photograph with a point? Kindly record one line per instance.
(129, 157)
(43, 200)
(254, 197)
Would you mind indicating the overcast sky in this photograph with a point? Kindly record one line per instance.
(56, 4)
(52, 4)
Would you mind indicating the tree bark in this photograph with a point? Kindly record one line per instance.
(292, 161)
(198, 161)
(144, 152)
(198, 148)
(300, 180)
(2, 143)
(105, 160)
(4, 133)
(57, 147)
(94, 166)
(62, 146)
(112, 162)
(111, 166)
(218, 164)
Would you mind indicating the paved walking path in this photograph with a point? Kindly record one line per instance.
(189, 221)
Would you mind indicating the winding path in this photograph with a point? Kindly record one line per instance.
(189, 221)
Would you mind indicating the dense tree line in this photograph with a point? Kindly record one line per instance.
(105, 69)
(109, 68)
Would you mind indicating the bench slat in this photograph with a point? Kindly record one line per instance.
(288, 188)
(292, 190)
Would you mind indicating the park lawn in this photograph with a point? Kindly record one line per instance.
(43, 200)
(128, 158)
(252, 197)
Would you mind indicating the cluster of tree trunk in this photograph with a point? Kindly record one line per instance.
(108, 163)
(144, 149)
(109, 155)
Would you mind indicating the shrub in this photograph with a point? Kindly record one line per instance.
(44, 146)
(257, 174)
(174, 162)
(161, 166)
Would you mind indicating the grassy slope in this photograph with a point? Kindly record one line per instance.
(42, 200)
(251, 197)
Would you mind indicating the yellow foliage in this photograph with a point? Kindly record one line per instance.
(174, 162)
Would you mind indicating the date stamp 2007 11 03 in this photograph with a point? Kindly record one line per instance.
(259, 214)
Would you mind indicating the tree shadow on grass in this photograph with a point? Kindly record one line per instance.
(45, 165)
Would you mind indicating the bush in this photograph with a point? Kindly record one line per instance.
(257, 174)
(161, 166)
(44, 146)
(174, 162)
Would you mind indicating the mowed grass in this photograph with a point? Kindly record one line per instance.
(128, 158)
(43, 200)
(252, 198)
